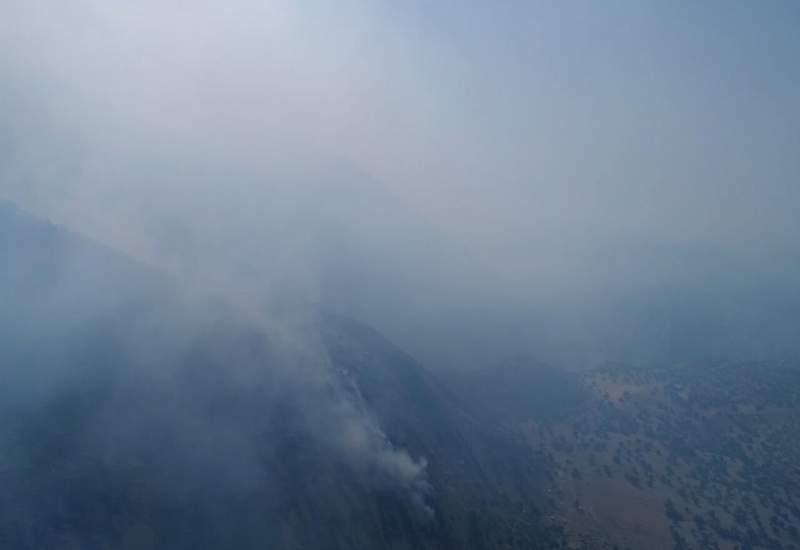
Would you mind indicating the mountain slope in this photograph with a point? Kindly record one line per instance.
(135, 415)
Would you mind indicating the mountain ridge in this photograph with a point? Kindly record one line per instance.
(153, 427)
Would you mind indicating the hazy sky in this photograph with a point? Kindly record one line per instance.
(412, 162)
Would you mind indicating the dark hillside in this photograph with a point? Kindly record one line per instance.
(134, 417)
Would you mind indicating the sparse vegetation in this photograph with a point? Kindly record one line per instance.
(698, 456)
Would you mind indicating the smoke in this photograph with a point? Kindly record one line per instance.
(476, 181)
(187, 389)
(579, 183)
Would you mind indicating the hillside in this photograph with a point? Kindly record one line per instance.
(135, 415)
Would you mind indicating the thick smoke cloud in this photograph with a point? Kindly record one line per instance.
(577, 182)
(580, 183)
(108, 362)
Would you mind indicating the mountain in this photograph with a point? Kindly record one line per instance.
(137, 414)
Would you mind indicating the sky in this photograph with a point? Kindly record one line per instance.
(476, 180)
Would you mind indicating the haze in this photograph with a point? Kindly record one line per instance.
(582, 182)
